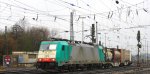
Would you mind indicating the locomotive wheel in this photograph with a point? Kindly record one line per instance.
(74, 68)
(103, 66)
(110, 66)
(121, 65)
(106, 66)
(70, 68)
(92, 66)
(86, 68)
(60, 69)
(43, 66)
(36, 65)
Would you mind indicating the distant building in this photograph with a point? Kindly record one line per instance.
(24, 58)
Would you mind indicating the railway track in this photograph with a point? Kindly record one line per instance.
(117, 70)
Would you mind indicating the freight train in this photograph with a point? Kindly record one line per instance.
(64, 55)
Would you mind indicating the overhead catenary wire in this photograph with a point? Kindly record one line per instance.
(39, 11)
(99, 15)
(134, 27)
(35, 10)
(124, 8)
(62, 19)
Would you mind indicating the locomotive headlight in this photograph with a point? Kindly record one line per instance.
(39, 59)
(53, 59)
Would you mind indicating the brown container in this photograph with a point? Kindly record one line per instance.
(125, 55)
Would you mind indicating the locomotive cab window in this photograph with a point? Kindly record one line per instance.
(48, 47)
(52, 47)
(44, 47)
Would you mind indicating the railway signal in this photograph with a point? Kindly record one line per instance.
(93, 33)
(138, 36)
(7, 60)
(139, 46)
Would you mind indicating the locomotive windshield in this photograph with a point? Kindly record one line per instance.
(48, 47)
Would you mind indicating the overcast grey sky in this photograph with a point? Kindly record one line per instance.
(128, 15)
